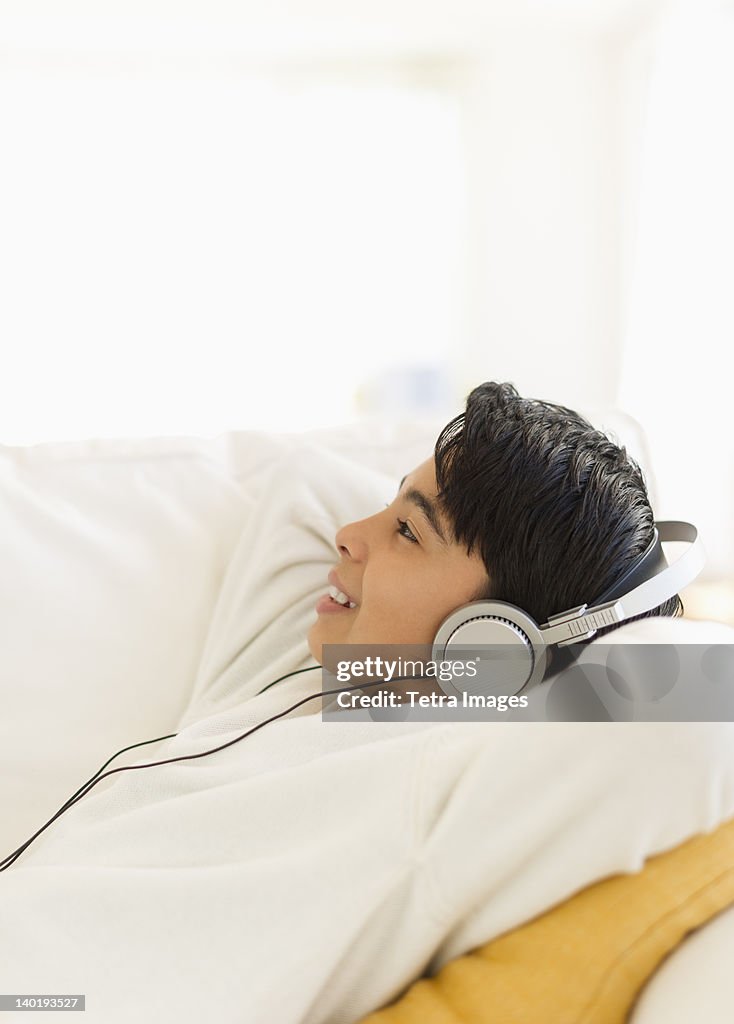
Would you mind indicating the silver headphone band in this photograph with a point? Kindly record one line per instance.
(674, 577)
(648, 564)
(582, 622)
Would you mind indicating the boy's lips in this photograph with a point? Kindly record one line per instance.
(326, 603)
(336, 582)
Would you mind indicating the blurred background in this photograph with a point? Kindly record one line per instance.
(220, 215)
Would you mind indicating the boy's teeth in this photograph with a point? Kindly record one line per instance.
(337, 595)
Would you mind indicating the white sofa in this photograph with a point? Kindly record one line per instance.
(113, 554)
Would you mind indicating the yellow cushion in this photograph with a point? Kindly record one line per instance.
(587, 959)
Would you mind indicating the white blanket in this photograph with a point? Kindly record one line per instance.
(311, 871)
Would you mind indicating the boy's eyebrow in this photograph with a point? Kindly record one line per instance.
(427, 507)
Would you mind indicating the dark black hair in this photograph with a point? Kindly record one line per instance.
(557, 511)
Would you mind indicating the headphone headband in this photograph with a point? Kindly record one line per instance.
(649, 564)
(581, 623)
(643, 587)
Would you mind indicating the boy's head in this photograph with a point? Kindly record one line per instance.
(536, 508)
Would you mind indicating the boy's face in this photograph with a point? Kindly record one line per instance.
(403, 589)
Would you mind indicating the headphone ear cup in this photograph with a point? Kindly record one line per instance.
(503, 640)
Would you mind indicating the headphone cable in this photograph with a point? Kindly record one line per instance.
(83, 790)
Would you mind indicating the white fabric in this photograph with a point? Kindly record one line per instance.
(112, 556)
(311, 871)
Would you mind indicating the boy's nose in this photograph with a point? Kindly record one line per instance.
(351, 541)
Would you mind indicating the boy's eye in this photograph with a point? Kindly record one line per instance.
(409, 534)
(404, 530)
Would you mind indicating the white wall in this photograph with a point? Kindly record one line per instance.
(678, 332)
(545, 200)
(169, 190)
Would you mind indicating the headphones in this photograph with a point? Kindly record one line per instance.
(518, 652)
(524, 645)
